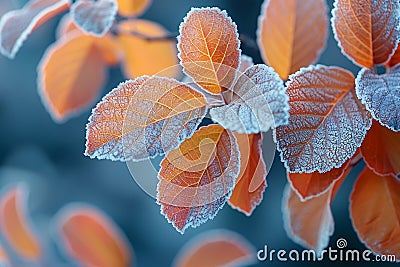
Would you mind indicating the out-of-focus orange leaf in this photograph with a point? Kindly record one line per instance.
(133, 8)
(375, 212)
(310, 222)
(108, 45)
(15, 26)
(143, 118)
(381, 150)
(94, 17)
(91, 238)
(143, 56)
(71, 75)
(292, 33)
(367, 31)
(15, 224)
(196, 179)
(216, 248)
(309, 185)
(327, 122)
(251, 182)
(209, 48)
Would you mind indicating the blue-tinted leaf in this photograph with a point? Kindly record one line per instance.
(381, 95)
(258, 103)
(94, 17)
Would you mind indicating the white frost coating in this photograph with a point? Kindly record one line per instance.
(228, 23)
(302, 216)
(138, 126)
(216, 186)
(385, 26)
(381, 95)
(259, 103)
(327, 122)
(16, 25)
(94, 17)
(107, 120)
(213, 236)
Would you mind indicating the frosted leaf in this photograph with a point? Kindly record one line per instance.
(16, 25)
(208, 45)
(197, 179)
(381, 95)
(94, 17)
(368, 32)
(143, 118)
(259, 102)
(327, 122)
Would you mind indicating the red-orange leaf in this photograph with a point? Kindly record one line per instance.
(292, 33)
(15, 26)
(142, 57)
(143, 118)
(196, 179)
(310, 222)
(91, 238)
(131, 8)
(375, 212)
(251, 182)
(71, 75)
(308, 185)
(395, 59)
(216, 248)
(381, 150)
(209, 48)
(368, 31)
(15, 224)
(327, 122)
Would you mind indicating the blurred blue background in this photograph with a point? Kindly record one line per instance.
(49, 156)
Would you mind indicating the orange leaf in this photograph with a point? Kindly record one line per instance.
(381, 150)
(327, 122)
(216, 248)
(208, 46)
(144, 57)
(374, 209)
(108, 45)
(292, 33)
(309, 185)
(196, 179)
(395, 59)
(367, 31)
(251, 182)
(15, 225)
(15, 26)
(91, 238)
(133, 8)
(94, 17)
(79, 64)
(143, 118)
(310, 222)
